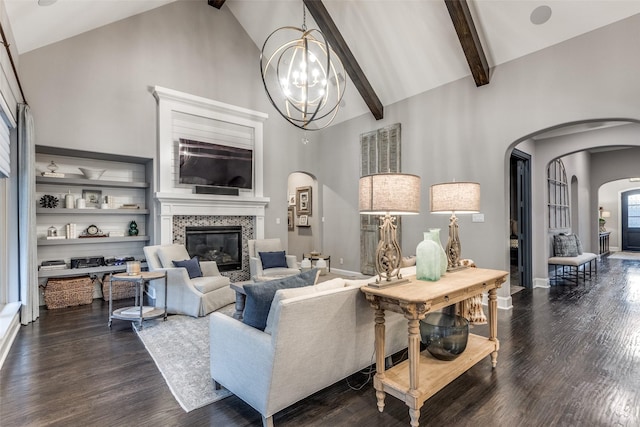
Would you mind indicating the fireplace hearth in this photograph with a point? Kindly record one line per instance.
(222, 244)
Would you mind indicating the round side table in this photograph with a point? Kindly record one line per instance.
(138, 312)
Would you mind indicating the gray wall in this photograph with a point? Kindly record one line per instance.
(91, 92)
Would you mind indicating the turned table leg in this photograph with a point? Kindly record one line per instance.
(380, 368)
(414, 365)
(493, 324)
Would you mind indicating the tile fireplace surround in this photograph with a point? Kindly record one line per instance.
(180, 210)
(180, 222)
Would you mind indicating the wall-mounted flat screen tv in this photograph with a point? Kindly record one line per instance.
(203, 163)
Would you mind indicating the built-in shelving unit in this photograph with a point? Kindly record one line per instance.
(126, 180)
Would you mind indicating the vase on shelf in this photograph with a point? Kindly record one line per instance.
(133, 228)
(429, 258)
(435, 234)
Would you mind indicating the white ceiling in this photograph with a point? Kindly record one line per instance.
(404, 47)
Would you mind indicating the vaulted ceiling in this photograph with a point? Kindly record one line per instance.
(403, 47)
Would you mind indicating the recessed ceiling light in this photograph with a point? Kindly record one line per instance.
(46, 2)
(540, 15)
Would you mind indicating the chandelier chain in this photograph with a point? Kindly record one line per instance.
(304, 18)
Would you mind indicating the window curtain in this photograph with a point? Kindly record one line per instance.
(27, 241)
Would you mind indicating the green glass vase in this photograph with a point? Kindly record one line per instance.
(428, 260)
(435, 234)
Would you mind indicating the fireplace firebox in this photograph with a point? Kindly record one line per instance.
(222, 244)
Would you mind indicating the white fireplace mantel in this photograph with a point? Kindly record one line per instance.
(171, 204)
(182, 115)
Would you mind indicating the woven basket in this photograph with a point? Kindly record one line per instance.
(68, 291)
(121, 289)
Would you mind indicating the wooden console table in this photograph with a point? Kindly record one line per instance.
(604, 242)
(421, 376)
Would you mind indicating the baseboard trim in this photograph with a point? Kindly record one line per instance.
(504, 303)
(9, 326)
(541, 283)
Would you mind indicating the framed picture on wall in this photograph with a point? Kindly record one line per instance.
(292, 199)
(93, 198)
(303, 221)
(291, 218)
(303, 198)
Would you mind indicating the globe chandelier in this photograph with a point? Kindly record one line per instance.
(302, 75)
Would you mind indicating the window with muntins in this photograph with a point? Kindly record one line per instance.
(558, 191)
(633, 211)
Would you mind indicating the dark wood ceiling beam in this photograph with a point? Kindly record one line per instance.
(468, 36)
(351, 66)
(216, 3)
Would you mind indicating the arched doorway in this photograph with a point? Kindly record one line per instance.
(305, 213)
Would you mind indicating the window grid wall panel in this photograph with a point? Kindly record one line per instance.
(559, 210)
(379, 153)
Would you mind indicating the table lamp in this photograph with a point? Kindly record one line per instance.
(452, 198)
(602, 221)
(389, 195)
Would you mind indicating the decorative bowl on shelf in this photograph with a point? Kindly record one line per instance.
(444, 335)
(92, 173)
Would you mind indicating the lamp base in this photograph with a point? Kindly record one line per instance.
(458, 268)
(387, 283)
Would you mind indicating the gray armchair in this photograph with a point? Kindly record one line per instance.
(256, 268)
(194, 297)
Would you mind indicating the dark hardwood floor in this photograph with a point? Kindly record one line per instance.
(570, 356)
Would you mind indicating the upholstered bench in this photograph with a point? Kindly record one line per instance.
(571, 266)
(569, 258)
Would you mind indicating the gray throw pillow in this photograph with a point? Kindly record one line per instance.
(578, 244)
(260, 295)
(192, 265)
(565, 245)
(273, 259)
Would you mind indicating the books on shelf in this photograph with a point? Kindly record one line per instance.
(53, 174)
(71, 231)
(116, 234)
(55, 237)
(130, 206)
(53, 267)
(135, 311)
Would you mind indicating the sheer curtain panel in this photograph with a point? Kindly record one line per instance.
(27, 216)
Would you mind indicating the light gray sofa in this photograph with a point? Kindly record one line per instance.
(315, 336)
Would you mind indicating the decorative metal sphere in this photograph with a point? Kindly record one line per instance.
(302, 76)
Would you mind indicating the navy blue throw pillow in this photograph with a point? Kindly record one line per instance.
(273, 259)
(192, 265)
(260, 295)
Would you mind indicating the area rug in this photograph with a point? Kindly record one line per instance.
(180, 348)
(625, 255)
